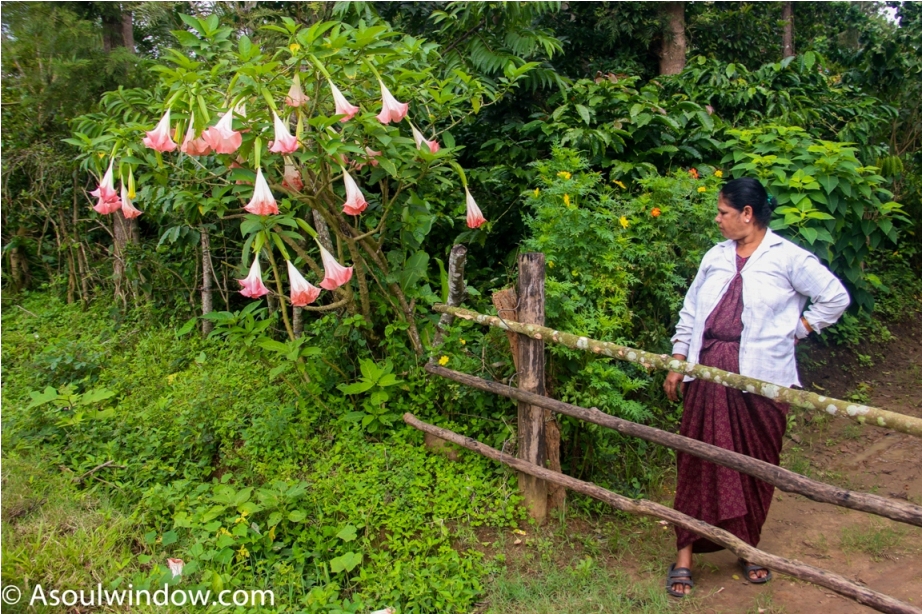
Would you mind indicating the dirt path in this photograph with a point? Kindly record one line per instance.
(884, 555)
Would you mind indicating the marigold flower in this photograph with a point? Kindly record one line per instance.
(443, 360)
(284, 142)
(334, 274)
(128, 210)
(302, 291)
(355, 200)
(253, 286)
(294, 47)
(159, 138)
(222, 137)
(702, 189)
(262, 203)
(391, 110)
(474, 216)
(624, 222)
(109, 201)
(693, 172)
(420, 140)
(537, 192)
(566, 200)
(656, 212)
(564, 175)
(718, 173)
(192, 146)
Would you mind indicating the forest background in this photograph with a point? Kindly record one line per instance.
(261, 442)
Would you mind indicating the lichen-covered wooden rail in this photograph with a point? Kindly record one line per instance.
(799, 398)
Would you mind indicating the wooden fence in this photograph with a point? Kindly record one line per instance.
(527, 326)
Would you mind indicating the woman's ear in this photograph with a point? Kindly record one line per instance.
(746, 213)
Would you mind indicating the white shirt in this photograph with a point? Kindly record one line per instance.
(778, 279)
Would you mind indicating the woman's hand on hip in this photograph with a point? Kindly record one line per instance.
(674, 385)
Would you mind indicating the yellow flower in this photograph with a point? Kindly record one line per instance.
(243, 553)
(550, 264)
(443, 360)
(223, 531)
(702, 189)
(272, 534)
(718, 173)
(463, 342)
(295, 47)
(624, 222)
(537, 191)
(566, 199)
(564, 175)
(620, 184)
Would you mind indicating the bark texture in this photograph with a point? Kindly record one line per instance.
(800, 398)
(207, 277)
(672, 56)
(787, 38)
(456, 260)
(808, 573)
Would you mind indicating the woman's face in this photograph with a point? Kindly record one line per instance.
(733, 224)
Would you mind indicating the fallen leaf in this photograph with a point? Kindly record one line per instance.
(518, 532)
(736, 577)
(517, 542)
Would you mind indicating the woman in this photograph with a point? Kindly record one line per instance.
(743, 313)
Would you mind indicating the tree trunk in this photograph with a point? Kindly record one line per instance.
(787, 39)
(207, 276)
(455, 289)
(128, 31)
(531, 446)
(121, 233)
(672, 55)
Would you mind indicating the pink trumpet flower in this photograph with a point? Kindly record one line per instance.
(342, 105)
(372, 154)
(292, 178)
(284, 143)
(296, 96)
(391, 110)
(262, 203)
(176, 566)
(420, 139)
(222, 137)
(334, 274)
(302, 292)
(128, 209)
(253, 286)
(355, 201)
(109, 201)
(192, 146)
(159, 138)
(474, 216)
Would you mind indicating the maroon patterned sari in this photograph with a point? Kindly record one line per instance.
(731, 419)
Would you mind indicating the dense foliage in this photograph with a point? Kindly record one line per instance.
(260, 435)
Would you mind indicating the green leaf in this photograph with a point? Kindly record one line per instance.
(188, 327)
(169, 537)
(583, 112)
(40, 398)
(95, 396)
(297, 516)
(347, 534)
(357, 388)
(346, 562)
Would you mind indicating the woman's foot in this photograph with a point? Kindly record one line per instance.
(755, 573)
(679, 582)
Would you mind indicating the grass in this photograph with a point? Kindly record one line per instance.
(878, 541)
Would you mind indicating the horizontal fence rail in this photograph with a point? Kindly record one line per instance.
(815, 575)
(784, 479)
(799, 398)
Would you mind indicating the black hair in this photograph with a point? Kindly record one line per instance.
(748, 191)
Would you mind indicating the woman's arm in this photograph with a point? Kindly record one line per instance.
(828, 297)
(673, 381)
(681, 341)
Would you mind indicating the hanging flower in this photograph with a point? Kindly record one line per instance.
(334, 274)
(192, 146)
(343, 107)
(292, 178)
(474, 216)
(222, 137)
(623, 221)
(262, 203)
(176, 566)
(420, 139)
(159, 138)
(302, 292)
(128, 210)
(391, 110)
(109, 201)
(656, 212)
(253, 286)
(296, 97)
(355, 200)
(284, 142)
(370, 155)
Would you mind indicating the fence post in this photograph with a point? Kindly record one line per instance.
(531, 446)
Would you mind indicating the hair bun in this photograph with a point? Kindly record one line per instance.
(772, 202)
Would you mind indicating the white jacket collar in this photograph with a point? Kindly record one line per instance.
(769, 240)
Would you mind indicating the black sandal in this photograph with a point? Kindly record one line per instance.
(747, 569)
(678, 575)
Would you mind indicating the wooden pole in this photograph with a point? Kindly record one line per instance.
(821, 577)
(788, 481)
(530, 377)
(799, 398)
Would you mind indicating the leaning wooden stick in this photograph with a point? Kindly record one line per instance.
(821, 577)
(788, 481)
(799, 398)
